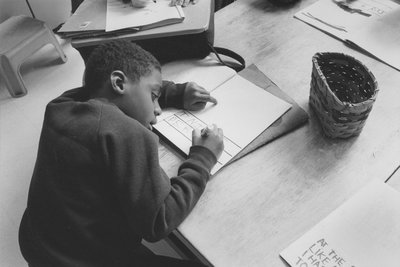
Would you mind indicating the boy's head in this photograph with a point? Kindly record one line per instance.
(128, 76)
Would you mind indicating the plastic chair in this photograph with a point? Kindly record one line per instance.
(21, 37)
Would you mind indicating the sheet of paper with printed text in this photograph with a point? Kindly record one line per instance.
(363, 232)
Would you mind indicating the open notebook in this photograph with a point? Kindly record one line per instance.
(244, 110)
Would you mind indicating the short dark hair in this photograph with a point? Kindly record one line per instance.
(121, 55)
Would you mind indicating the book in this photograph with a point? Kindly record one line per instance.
(364, 231)
(154, 14)
(244, 110)
(87, 21)
(367, 25)
(102, 18)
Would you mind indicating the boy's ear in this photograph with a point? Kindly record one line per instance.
(118, 80)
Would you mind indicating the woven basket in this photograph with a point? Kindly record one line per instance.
(342, 93)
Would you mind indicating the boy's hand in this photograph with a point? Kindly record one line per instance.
(196, 97)
(211, 138)
(183, 3)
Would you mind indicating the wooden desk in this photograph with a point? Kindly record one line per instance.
(254, 208)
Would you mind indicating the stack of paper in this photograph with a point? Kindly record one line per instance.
(155, 14)
(370, 25)
(96, 18)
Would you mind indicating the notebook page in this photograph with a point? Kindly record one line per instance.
(244, 111)
(206, 72)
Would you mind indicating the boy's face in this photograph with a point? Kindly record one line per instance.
(141, 98)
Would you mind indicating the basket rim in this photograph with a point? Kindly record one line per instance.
(318, 55)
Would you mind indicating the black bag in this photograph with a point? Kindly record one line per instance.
(189, 46)
(194, 46)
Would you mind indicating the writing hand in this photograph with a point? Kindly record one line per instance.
(196, 97)
(211, 138)
(183, 3)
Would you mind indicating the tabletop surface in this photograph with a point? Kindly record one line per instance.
(394, 180)
(255, 207)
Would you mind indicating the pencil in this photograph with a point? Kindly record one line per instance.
(204, 132)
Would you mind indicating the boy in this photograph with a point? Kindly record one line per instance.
(97, 188)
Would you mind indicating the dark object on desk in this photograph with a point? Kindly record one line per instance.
(222, 3)
(345, 5)
(166, 47)
(191, 46)
(291, 120)
(342, 93)
(283, 2)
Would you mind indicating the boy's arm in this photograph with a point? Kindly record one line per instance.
(172, 95)
(153, 204)
(189, 96)
(182, 194)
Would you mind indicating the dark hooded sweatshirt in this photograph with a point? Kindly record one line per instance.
(97, 187)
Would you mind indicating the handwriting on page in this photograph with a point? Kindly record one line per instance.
(244, 111)
(185, 123)
(371, 6)
(320, 254)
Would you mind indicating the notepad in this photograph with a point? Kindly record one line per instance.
(155, 14)
(93, 16)
(369, 25)
(363, 232)
(86, 21)
(244, 111)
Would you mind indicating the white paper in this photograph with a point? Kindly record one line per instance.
(381, 38)
(363, 232)
(121, 16)
(244, 111)
(206, 72)
(376, 29)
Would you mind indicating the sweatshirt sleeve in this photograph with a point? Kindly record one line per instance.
(153, 204)
(172, 95)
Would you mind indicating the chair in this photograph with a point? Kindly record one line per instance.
(21, 37)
